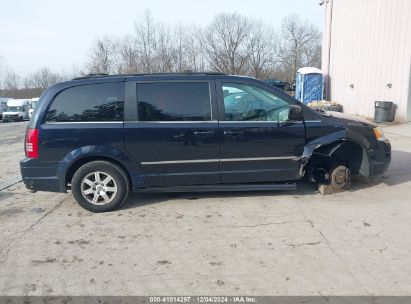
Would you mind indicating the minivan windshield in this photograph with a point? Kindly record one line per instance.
(14, 109)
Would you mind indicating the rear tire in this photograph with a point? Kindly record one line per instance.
(100, 186)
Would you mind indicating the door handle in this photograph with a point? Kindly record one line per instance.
(232, 133)
(204, 133)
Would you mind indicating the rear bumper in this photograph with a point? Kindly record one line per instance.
(41, 176)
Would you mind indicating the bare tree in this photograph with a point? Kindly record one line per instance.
(145, 32)
(192, 44)
(312, 55)
(260, 46)
(101, 56)
(231, 43)
(166, 57)
(295, 44)
(179, 49)
(127, 59)
(73, 72)
(42, 79)
(224, 43)
(12, 81)
(1, 74)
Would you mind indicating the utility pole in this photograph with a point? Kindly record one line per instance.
(326, 47)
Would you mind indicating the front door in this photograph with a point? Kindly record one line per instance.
(174, 136)
(258, 142)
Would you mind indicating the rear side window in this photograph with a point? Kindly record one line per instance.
(174, 101)
(95, 102)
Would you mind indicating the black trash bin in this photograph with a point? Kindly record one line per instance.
(384, 111)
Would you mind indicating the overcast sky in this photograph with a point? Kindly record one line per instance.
(60, 33)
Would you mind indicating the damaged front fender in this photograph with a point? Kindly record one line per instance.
(331, 144)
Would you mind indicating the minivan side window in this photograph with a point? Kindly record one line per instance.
(94, 102)
(243, 102)
(174, 101)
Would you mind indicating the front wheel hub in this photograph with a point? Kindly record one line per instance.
(340, 176)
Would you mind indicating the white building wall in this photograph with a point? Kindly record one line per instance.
(369, 48)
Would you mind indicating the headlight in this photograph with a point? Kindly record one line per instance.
(379, 134)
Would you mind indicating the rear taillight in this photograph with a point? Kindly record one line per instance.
(32, 143)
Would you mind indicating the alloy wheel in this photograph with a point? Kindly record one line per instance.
(98, 188)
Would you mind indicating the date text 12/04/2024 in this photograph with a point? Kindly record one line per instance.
(203, 299)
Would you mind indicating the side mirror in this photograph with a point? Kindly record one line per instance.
(295, 113)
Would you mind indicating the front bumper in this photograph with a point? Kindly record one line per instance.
(42, 176)
(380, 158)
(11, 117)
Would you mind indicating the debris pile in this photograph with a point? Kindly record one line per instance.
(325, 105)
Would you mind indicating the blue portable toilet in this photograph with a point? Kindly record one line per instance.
(309, 84)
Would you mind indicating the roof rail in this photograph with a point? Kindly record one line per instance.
(92, 75)
(187, 72)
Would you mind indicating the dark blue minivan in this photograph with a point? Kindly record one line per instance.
(102, 136)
